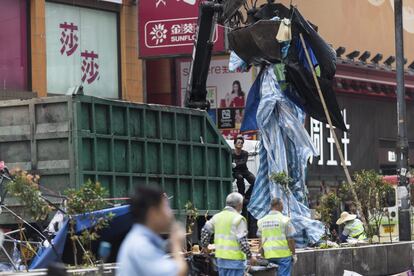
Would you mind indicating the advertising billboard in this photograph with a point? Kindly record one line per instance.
(226, 91)
(82, 49)
(168, 28)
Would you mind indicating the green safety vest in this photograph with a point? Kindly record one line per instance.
(356, 229)
(274, 241)
(226, 243)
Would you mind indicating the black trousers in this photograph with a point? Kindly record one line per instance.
(241, 187)
(240, 176)
(251, 222)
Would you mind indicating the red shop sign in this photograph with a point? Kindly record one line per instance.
(168, 28)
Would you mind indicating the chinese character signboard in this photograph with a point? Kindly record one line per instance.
(326, 141)
(359, 145)
(82, 49)
(89, 67)
(169, 27)
(69, 38)
(226, 92)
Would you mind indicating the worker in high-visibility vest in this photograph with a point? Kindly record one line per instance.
(230, 238)
(276, 238)
(354, 228)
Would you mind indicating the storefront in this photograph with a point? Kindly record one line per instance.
(167, 32)
(53, 47)
(367, 100)
(13, 46)
(82, 50)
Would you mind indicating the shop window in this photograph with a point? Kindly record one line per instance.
(82, 50)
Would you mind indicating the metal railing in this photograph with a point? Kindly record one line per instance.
(105, 269)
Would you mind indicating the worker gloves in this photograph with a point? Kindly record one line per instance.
(294, 259)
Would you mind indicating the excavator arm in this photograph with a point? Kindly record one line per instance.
(210, 12)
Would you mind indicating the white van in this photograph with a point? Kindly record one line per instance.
(389, 224)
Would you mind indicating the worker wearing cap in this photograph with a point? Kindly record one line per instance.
(276, 237)
(353, 227)
(230, 238)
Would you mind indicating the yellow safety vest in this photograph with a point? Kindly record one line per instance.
(274, 241)
(356, 229)
(227, 246)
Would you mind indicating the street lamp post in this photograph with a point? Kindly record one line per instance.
(404, 217)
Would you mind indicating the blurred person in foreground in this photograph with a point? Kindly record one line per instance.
(143, 251)
(230, 238)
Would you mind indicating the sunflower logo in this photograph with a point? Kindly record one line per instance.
(159, 33)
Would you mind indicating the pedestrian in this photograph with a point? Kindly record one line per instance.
(276, 238)
(230, 238)
(143, 251)
(240, 170)
(353, 227)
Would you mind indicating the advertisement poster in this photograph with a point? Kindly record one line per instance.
(82, 49)
(168, 28)
(226, 91)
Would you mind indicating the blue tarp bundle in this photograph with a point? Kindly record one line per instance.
(277, 109)
(48, 255)
(252, 104)
(285, 147)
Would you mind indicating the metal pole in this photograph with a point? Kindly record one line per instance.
(404, 216)
(338, 147)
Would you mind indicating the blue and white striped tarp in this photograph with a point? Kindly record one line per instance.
(285, 146)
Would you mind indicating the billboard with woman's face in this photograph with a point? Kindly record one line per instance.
(227, 92)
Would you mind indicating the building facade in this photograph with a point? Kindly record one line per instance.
(356, 25)
(365, 90)
(367, 98)
(140, 51)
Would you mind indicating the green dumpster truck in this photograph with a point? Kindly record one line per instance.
(70, 139)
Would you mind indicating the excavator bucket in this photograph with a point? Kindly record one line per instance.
(230, 7)
(269, 11)
(257, 42)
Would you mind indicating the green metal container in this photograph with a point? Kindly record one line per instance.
(68, 140)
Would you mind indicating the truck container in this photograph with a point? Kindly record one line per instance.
(70, 139)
